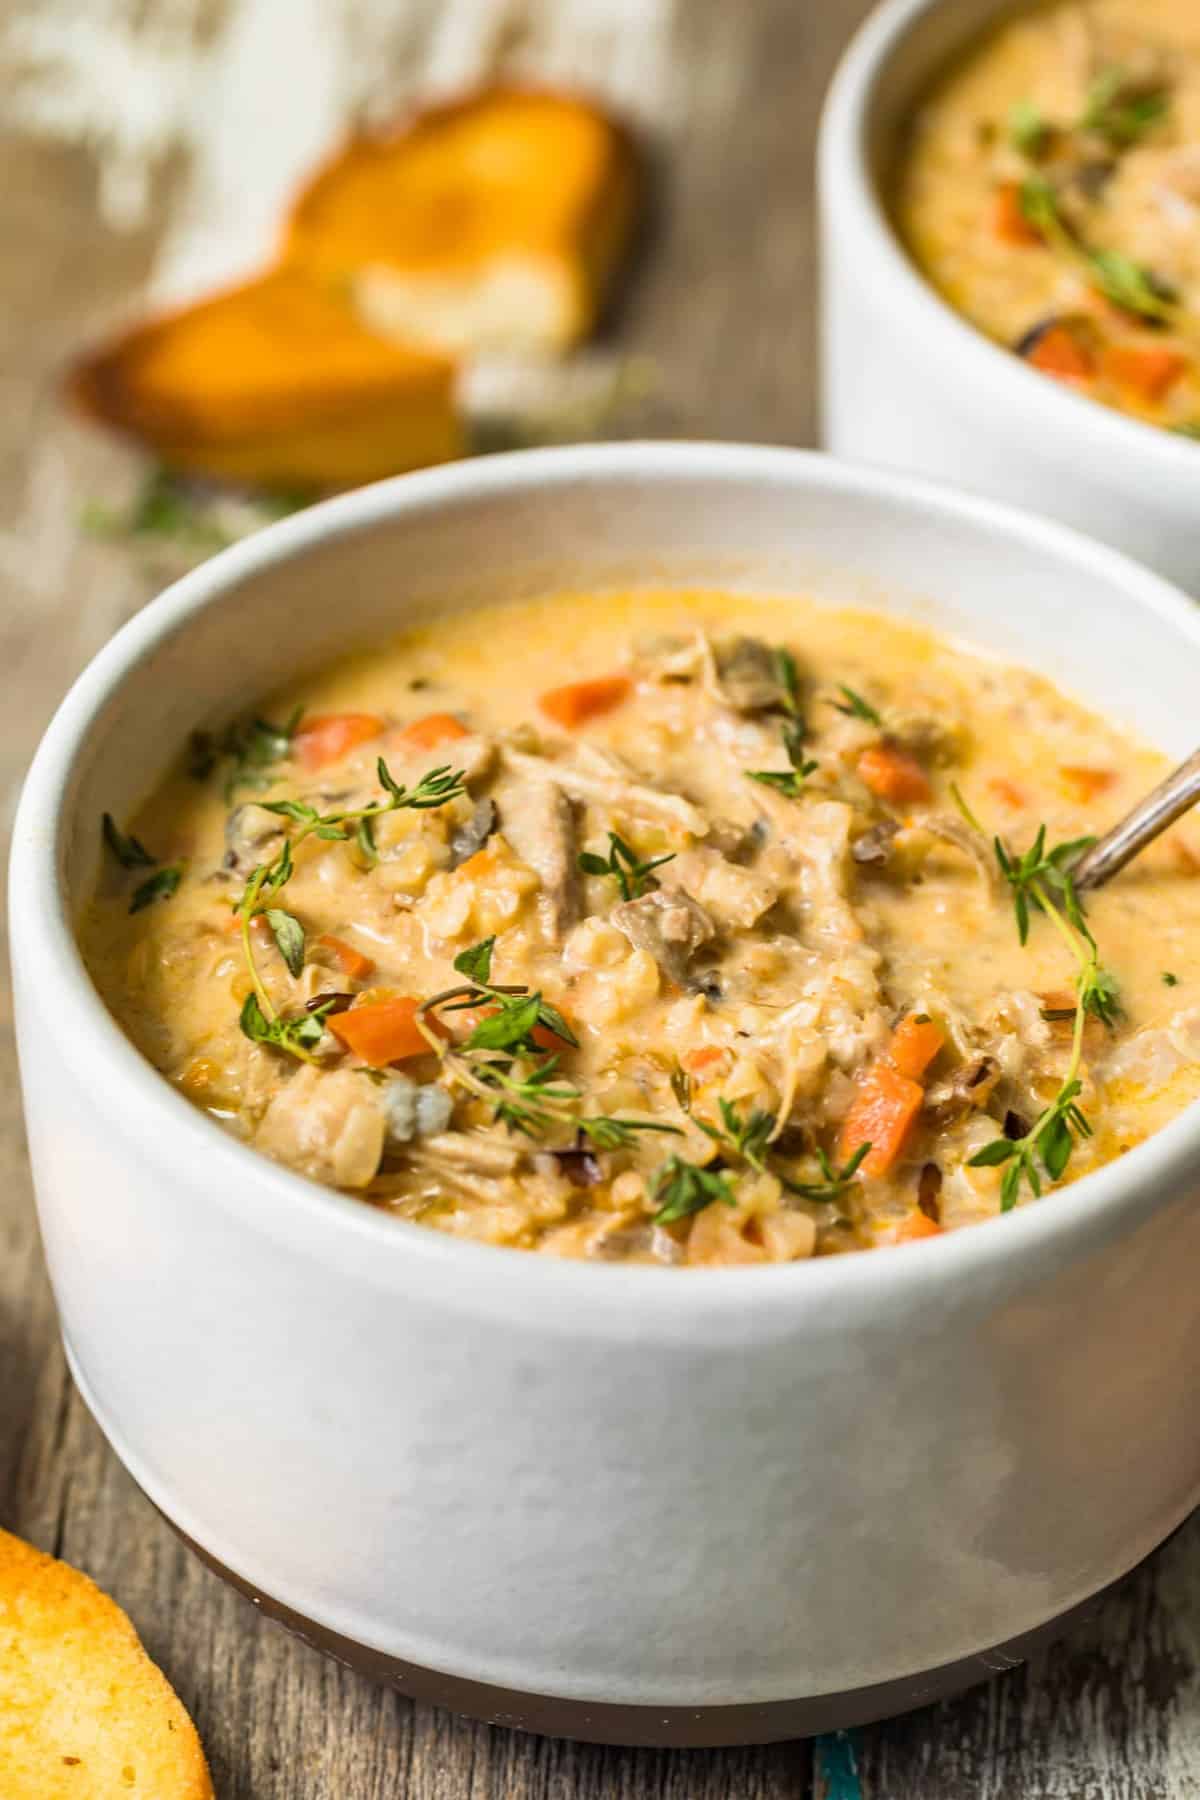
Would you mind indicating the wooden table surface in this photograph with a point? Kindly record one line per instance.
(146, 146)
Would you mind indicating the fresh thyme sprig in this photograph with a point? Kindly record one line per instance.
(1118, 115)
(298, 1036)
(633, 876)
(131, 853)
(749, 1137)
(682, 1188)
(788, 781)
(1124, 282)
(266, 881)
(1028, 131)
(494, 1061)
(1041, 880)
(834, 1181)
(251, 746)
(854, 706)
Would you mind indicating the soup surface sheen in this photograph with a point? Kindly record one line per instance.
(1051, 192)
(743, 984)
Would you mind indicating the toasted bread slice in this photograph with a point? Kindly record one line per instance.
(493, 222)
(277, 383)
(84, 1713)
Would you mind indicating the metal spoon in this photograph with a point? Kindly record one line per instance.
(1161, 807)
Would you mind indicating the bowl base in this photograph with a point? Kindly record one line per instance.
(663, 1727)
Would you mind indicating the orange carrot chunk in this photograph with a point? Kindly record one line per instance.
(915, 1042)
(1008, 218)
(434, 729)
(330, 736)
(1006, 791)
(349, 960)
(882, 1114)
(704, 1058)
(916, 1227)
(1083, 784)
(1059, 352)
(1146, 372)
(582, 700)
(893, 774)
(385, 1031)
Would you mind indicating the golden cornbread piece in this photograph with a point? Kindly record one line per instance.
(84, 1713)
(276, 382)
(496, 221)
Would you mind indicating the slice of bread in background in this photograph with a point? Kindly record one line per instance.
(84, 1713)
(275, 383)
(493, 222)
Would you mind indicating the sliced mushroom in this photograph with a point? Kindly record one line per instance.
(537, 819)
(968, 1090)
(749, 677)
(468, 838)
(873, 847)
(248, 831)
(670, 925)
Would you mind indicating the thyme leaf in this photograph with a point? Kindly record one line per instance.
(159, 886)
(633, 876)
(289, 938)
(682, 1188)
(298, 1036)
(854, 706)
(788, 781)
(129, 851)
(1118, 114)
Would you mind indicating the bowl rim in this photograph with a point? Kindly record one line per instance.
(856, 205)
(308, 1216)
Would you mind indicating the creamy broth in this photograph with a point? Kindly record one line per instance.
(1051, 192)
(815, 963)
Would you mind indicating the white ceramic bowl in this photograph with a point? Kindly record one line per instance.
(630, 1503)
(909, 384)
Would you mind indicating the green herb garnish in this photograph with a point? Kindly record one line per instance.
(1028, 131)
(159, 886)
(1041, 881)
(854, 706)
(1117, 115)
(833, 1182)
(633, 876)
(1170, 980)
(1119, 279)
(129, 851)
(266, 881)
(251, 746)
(682, 1188)
(298, 1036)
(788, 781)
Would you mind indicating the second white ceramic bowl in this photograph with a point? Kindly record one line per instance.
(909, 384)
(646, 1504)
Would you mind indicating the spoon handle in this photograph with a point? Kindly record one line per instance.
(1161, 807)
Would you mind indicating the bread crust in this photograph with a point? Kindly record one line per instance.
(84, 1713)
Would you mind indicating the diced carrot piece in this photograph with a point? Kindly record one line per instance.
(385, 1031)
(482, 863)
(329, 736)
(1083, 784)
(545, 1039)
(1008, 218)
(696, 1061)
(1007, 792)
(916, 1227)
(582, 700)
(434, 729)
(1147, 372)
(349, 960)
(915, 1042)
(893, 774)
(1059, 352)
(882, 1114)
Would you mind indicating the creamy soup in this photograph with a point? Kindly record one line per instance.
(674, 928)
(1051, 191)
